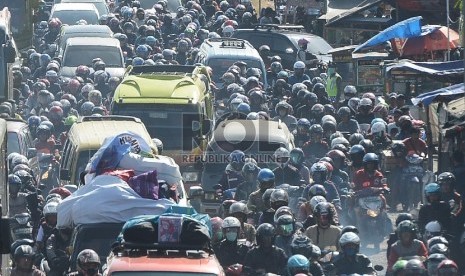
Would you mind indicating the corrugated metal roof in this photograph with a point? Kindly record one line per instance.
(339, 9)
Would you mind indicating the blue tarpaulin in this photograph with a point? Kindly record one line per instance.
(449, 71)
(408, 28)
(450, 92)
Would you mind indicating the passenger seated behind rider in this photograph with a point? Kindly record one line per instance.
(315, 148)
(407, 245)
(316, 194)
(240, 211)
(415, 144)
(350, 261)
(323, 234)
(393, 237)
(294, 171)
(44, 142)
(434, 209)
(276, 198)
(255, 203)
(229, 251)
(244, 189)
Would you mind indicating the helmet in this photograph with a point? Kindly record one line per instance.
(350, 90)
(414, 267)
(33, 121)
(339, 140)
(349, 228)
(56, 112)
(311, 98)
(14, 180)
(447, 267)
(301, 244)
(446, 177)
(316, 129)
(439, 248)
(70, 120)
(336, 155)
(24, 175)
(353, 104)
(87, 256)
(367, 144)
(399, 266)
(276, 67)
(299, 65)
(433, 262)
(296, 156)
(283, 210)
(53, 198)
(266, 176)
(432, 188)
(86, 108)
(243, 108)
(231, 222)
(432, 228)
(265, 230)
(399, 149)
(239, 207)
(317, 190)
(281, 153)
(403, 216)
(378, 128)
(370, 158)
(298, 264)
(24, 251)
(279, 195)
(237, 159)
(285, 225)
(319, 172)
(406, 226)
(322, 208)
(62, 191)
(22, 167)
(437, 240)
(50, 208)
(365, 102)
(349, 238)
(315, 200)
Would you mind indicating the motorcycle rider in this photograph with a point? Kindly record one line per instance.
(232, 175)
(448, 268)
(285, 230)
(365, 112)
(415, 144)
(18, 200)
(393, 237)
(316, 147)
(57, 250)
(350, 261)
(347, 124)
(407, 245)
(323, 234)
(305, 110)
(298, 265)
(24, 257)
(88, 264)
(294, 170)
(44, 143)
(240, 211)
(447, 182)
(265, 257)
(379, 137)
(277, 198)
(284, 114)
(339, 177)
(266, 180)
(434, 209)
(48, 224)
(302, 133)
(229, 250)
(54, 27)
(244, 189)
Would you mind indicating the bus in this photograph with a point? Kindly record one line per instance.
(22, 25)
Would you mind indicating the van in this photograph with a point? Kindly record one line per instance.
(100, 5)
(87, 135)
(82, 50)
(70, 13)
(175, 104)
(221, 53)
(68, 32)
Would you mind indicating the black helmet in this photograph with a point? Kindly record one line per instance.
(279, 195)
(357, 150)
(87, 256)
(350, 228)
(355, 138)
(316, 129)
(311, 98)
(367, 145)
(24, 251)
(399, 149)
(406, 226)
(446, 177)
(370, 158)
(322, 208)
(264, 231)
(317, 190)
(14, 181)
(402, 217)
(415, 267)
(296, 156)
(285, 225)
(301, 244)
(25, 176)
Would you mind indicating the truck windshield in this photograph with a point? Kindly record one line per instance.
(84, 54)
(71, 17)
(172, 124)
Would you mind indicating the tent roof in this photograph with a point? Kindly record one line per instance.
(450, 71)
(446, 94)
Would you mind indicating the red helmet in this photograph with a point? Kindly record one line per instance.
(72, 100)
(328, 166)
(47, 83)
(56, 111)
(302, 42)
(54, 23)
(73, 86)
(336, 154)
(63, 192)
(82, 70)
(447, 267)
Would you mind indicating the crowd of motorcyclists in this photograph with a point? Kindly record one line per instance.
(310, 212)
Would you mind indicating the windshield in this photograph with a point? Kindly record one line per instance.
(172, 124)
(316, 45)
(83, 159)
(172, 5)
(13, 143)
(219, 66)
(156, 273)
(71, 35)
(71, 17)
(83, 55)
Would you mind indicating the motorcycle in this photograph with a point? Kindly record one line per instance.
(373, 221)
(412, 176)
(21, 226)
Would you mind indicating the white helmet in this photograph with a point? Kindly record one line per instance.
(433, 228)
(50, 208)
(365, 101)
(350, 89)
(228, 31)
(349, 238)
(230, 222)
(299, 65)
(315, 200)
(340, 140)
(281, 152)
(378, 127)
(328, 118)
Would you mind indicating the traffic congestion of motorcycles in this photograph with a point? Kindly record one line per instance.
(155, 140)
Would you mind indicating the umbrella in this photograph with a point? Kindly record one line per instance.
(433, 40)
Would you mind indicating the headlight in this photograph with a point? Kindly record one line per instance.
(372, 213)
(210, 196)
(190, 176)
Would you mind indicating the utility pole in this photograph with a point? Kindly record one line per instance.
(448, 31)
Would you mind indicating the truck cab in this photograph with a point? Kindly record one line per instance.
(175, 104)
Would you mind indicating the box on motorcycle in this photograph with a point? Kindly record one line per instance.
(388, 160)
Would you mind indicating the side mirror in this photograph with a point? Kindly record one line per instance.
(196, 192)
(9, 53)
(64, 175)
(195, 126)
(207, 126)
(31, 153)
(5, 236)
(378, 267)
(289, 51)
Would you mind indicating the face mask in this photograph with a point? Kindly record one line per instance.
(91, 271)
(219, 236)
(231, 236)
(282, 113)
(287, 229)
(350, 251)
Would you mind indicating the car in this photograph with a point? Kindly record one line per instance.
(258, 139)
(282, 40)
(100, 5)
(71, 13)
(221, 53)
(82, 50)
(68, 32)
(96, 236)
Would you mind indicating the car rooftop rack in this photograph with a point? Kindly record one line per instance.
(123, 245)
(228, 42)
(270, 27)
(108, 118)
(162, 69)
